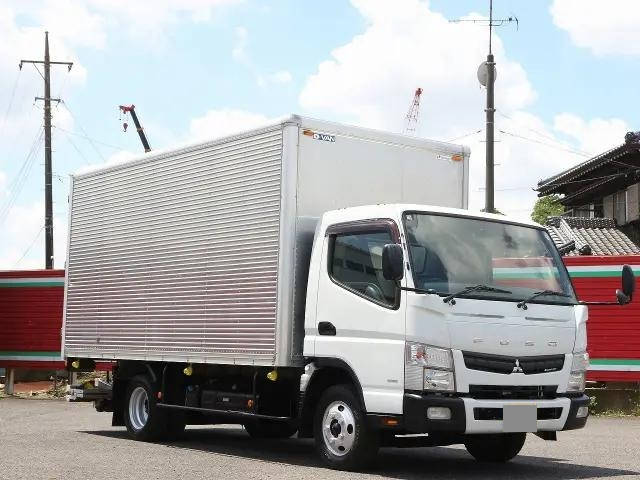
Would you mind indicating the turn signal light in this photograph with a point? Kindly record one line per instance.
(188, 371)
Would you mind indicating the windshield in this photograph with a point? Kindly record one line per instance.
(450, 253)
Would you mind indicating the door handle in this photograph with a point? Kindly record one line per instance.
(326, 328)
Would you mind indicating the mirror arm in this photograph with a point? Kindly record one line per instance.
(429, 291)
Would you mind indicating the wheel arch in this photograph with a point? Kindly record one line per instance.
(328, 372)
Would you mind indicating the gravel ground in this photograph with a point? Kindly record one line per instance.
(52, 439)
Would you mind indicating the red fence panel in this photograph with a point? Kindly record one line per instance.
(31, 317)
(613, 330)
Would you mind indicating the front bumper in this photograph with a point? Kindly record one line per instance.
(468, 415)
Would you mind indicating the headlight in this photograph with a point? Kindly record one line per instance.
(576, 382)
(438, 380)
(428, 368)
(580, 362)
(428, 356)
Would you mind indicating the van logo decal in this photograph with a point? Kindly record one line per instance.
(325, 137)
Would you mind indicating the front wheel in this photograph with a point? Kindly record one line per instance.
(500, 447)
(343, 439)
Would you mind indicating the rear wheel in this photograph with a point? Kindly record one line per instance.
(267, 429)
(144, 420)
(500, 447)
(343, 439)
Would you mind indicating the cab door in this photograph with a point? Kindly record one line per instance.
(360, 316)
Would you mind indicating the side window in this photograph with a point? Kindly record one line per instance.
(356, 263)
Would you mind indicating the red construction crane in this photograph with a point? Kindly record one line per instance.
(131, 109)
(411, 120)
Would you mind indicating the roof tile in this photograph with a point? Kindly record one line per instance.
(601, 236)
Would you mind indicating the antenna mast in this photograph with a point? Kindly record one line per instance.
(487, 78)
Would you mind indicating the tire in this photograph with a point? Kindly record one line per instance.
(343, 438)
(266, 429)
(144, 420)
(500, 447)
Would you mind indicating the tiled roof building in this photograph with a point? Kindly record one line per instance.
(589, 236)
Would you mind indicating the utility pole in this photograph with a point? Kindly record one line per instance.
(487, 78)
(48, 193)
(490, 110)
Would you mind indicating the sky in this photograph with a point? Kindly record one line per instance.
(566, 86)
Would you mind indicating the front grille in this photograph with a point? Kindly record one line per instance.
(506, 365)
(480, 413)
(511, 392)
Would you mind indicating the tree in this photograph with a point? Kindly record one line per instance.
(546, 207)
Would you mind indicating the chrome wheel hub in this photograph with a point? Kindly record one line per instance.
(338, 428)
(138, 408)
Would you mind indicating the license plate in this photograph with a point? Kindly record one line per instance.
(520, 418)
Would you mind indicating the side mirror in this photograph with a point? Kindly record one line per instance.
(392, 262)
(628, 286)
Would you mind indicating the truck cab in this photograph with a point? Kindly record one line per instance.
(463, 327)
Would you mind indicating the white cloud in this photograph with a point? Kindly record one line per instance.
(606, 28)
(23, 238)
(593, 136)
(72, 25)
(280, 77)
(160, 13)
(218, 123)
(90, 23)
(240, 54)
(22, 226)
(371, 79)
(213, 124)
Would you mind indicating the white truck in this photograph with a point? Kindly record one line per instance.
(298, 278)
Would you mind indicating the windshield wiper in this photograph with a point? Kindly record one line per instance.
(523, 303)
(474, 288)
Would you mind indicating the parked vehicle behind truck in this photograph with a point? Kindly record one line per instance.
(299, 278)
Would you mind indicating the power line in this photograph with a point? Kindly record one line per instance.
(464, 136)
(13, 93)
(16, 185)
(83, 131)
(550, 145)
(115, 147)
(544, 135)
(29, 247)
(76, 148)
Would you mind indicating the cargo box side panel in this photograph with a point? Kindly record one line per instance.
(339, 168)
(176, 258)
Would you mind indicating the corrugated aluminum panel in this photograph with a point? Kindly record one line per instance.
(176, 257)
